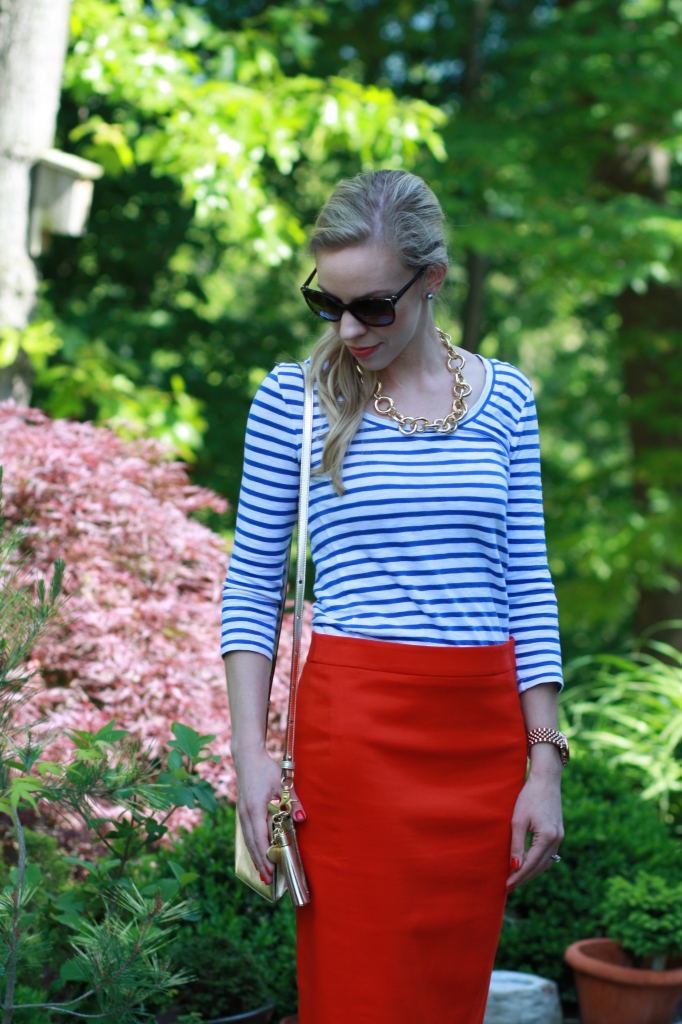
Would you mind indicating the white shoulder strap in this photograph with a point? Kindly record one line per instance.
(288, 763)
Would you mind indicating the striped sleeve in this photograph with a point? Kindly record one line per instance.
(533, 614)
(268, 503)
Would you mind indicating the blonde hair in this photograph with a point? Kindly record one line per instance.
(395, 209)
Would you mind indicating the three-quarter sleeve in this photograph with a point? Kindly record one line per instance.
(533, 614)
(268, 503)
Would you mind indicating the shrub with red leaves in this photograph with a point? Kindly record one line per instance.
(140, 631)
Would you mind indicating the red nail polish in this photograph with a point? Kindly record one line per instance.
(511, 888)
(299, 816)
(515, 863)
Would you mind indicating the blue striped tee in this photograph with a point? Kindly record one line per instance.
(439, 539)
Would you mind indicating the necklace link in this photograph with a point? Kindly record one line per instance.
(408, 425)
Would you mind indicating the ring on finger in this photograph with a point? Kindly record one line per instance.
(556, 858)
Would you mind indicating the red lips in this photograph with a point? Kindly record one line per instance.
(363, 353)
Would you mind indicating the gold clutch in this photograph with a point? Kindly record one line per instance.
(248, 872)
(288, 875)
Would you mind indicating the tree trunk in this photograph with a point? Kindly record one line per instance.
(33, 36)
(472, 314)
(651, 344)
(477, 264)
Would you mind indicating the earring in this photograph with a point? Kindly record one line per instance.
(429, 296)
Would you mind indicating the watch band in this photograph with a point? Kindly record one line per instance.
(543, 734)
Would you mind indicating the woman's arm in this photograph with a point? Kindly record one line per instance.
(538, 807)
(266, 515)
(258, 775)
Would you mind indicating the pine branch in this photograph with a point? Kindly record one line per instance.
(15, 933)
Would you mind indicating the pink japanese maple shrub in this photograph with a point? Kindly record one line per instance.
(140, 631)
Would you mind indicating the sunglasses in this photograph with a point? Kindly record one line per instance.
(373, 312)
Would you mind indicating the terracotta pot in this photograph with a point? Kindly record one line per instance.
(612, 991)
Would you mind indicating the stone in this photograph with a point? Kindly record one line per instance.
(517, 998)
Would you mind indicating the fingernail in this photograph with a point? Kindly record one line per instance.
(299, 816)
(515, 863)
(511, 888)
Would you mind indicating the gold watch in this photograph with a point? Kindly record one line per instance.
(545, 735)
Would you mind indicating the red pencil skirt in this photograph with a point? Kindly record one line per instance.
(409, 759)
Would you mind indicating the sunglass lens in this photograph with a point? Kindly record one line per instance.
(322, 305)
(374, 312)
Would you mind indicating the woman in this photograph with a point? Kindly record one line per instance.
(435, 644)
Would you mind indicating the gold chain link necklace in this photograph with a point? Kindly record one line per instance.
(417, 424)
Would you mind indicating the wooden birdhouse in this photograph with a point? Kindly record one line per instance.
(61, 196)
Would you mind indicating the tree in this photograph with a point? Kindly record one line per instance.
(562, 188)
(138, 639)
(562, 181)
(218, 150)
(33, 36)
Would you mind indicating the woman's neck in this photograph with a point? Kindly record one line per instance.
(421, 360)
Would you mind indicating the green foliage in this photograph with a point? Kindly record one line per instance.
(610, 831)
(28, 996)
(215, 158)
(43, 853)
(230, 979)
(630, 710)
(98, 377)
(222, 128)
(231, 924)
(645, 916)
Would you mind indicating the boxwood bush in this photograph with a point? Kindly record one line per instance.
(254, 941)
(610, 831)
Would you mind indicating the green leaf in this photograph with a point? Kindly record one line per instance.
(87, 864)
(21, 788)
(168, 887)
(69, 902)
(186, 740)
(32, 875)
(176, 869)
(73, 970)
(109, 733)
(204, 793)
(174, 760)
(182, 796)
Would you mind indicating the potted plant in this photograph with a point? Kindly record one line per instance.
(635, 975)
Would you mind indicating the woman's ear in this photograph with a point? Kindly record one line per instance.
(433, 279)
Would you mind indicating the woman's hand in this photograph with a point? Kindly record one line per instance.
(258, 775)
(258, 783)
(537, 810)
